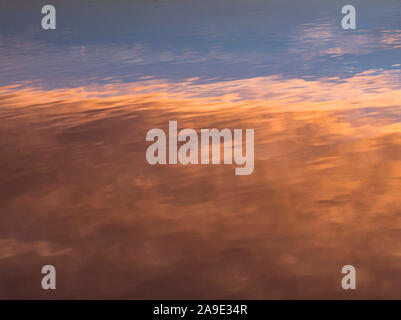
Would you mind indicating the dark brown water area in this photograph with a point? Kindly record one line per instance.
(76, 191)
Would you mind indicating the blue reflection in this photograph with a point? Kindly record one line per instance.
(211, 40)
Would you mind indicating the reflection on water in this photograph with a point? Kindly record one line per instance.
(211, 40)
(76, 190)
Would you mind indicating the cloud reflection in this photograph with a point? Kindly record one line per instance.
(77, 192)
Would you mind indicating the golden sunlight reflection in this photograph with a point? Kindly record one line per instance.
(76, 190)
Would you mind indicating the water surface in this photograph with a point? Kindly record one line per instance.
(76, 190)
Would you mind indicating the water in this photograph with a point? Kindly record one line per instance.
(76, 190)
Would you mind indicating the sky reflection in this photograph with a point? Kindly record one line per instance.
(76, 190)
(325, 191)
(210, 40)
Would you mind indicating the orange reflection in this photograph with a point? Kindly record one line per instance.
(77, 192)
